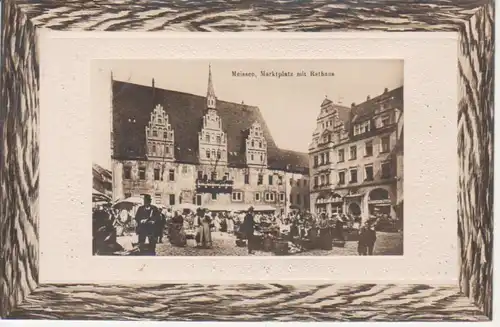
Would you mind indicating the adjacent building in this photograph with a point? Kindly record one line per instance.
(356, 157)
(184, 148)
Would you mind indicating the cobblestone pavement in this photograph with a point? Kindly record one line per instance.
(225, 245)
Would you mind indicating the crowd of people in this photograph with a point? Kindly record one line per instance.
(151, 223)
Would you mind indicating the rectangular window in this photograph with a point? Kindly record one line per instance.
(207, 138)
(341, 177)
(315, 161)
(385, 120)
(237, 196)
(322, 159)
(167, 149)
(282, 197)
(171, 175)
(270, 197)
(165, 135)
(341, 155)
(226, 176)
(369, 173)
(247, 179)
(280, 180)
(385, 144)
(353, 153)
(214, 196)
(260, 180)
(127, 172)
(218, 154)
(198, 200)
(158, 198)
(315, 181)
(200, 175)
(369, 149)
(213, 175)
(322, 180)
(270, 179)
(171, 199)
(207, 153)
(219, 140)
(257, 196)
(142, 173)
(354, 176)
(386, 170)
(328, 179)
(327, 157)
(157, 174)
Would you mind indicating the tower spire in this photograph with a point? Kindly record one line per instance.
(211, 98)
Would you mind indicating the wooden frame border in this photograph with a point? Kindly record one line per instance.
(22, 297)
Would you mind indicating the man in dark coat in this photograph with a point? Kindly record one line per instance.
(248, 228)
(147, 218)
(367, 238)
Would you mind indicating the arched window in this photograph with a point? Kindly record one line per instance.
(378, 194)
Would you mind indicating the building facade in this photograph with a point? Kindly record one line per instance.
(356, 157)
(184, 148)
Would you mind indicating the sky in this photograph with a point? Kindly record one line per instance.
(289, 104)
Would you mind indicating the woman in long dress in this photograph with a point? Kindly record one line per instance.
(230, 223)
(178, 236)
(325, 234)
(205, 235)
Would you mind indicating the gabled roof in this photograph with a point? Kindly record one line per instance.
(135, 102)
(326, 102)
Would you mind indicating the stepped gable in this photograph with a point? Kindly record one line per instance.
(133, 104)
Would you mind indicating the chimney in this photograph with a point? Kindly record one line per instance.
(386, 90)
(153, 83)
(242, 103)
(368, 98)
(353, 104)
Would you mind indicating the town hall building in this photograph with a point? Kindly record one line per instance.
(185, 148)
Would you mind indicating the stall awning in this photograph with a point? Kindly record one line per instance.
(264, 208)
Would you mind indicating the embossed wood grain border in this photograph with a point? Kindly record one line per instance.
(22, 297)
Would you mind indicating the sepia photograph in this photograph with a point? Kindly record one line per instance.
(247, 157)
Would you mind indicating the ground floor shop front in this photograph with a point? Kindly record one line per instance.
(358, 202)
